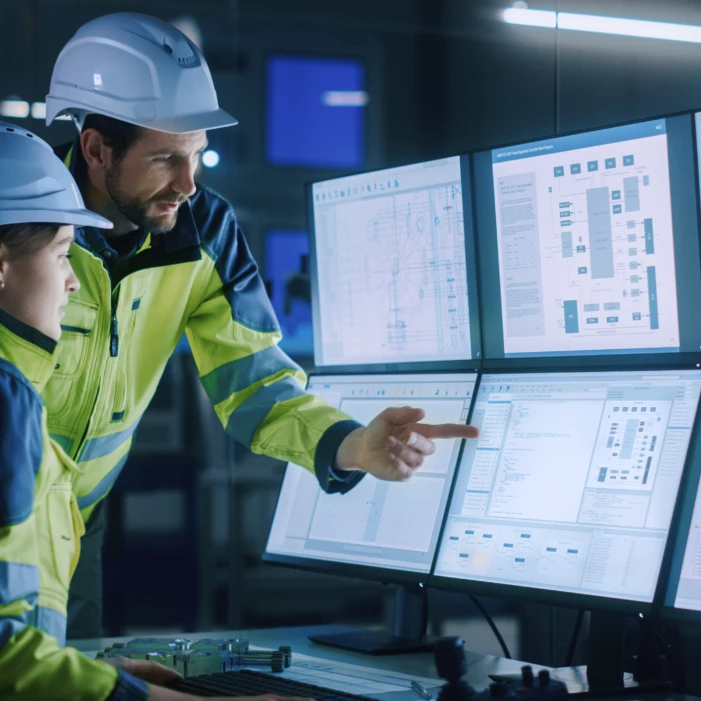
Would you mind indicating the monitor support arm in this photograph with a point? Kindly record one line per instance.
(605, 663)
(408, 630)
(410, 615)
(605, 656)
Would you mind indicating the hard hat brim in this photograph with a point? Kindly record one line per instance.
(77, 217)
(192, 122)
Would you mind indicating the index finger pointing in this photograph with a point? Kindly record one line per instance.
(446, 430)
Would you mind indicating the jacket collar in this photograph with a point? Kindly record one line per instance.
(185, 235)
(33, 353)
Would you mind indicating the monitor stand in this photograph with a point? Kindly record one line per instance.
(604, 675)
(408, 633)
(605, 668)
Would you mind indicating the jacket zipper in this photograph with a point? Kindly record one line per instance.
(114, 349)
(81, 443)
(114, 332)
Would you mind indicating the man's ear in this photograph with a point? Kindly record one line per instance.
(97, 154)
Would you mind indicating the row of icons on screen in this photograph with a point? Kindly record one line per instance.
(359, 190)
(405, 393)
(402, 393)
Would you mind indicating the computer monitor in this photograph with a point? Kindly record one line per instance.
(568, 494)
(683, 588)
(380, 530)
(315, 111)
(683, 593)
(589, 246)
(393, 269)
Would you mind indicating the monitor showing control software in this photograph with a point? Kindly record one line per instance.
(393, 266)
(378, 524)
(683, 591)
(572, 484)
(684, 588)
(589, 243)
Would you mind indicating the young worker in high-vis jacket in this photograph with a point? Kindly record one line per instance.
(142, 97)
(40, 524)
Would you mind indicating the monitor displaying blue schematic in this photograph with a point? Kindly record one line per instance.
(316, 112)
(593, 242)
(392, 282)
(387, 525)
(572, 484)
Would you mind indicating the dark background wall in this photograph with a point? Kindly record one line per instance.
(444, 76)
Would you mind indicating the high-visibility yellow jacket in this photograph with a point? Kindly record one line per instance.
(40, 529)
(125, 321)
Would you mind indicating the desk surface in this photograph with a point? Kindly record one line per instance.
(421, 664)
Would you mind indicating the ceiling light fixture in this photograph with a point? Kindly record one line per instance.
(600, 24)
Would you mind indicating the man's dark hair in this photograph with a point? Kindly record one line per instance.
(118, 135)
(24, 240)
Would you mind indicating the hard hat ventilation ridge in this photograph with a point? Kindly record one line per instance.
(181, 51)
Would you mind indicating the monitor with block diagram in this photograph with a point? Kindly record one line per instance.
(569, 493)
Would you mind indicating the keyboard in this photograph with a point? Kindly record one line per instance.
(247, 682)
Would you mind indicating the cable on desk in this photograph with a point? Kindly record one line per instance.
(575, 637)
(492, 625)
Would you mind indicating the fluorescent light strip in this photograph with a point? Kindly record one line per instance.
(531, 18)
(19, 109)
(629, 27)
(39, 110)
(600, 24)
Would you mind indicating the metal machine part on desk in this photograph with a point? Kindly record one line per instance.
(208, 656)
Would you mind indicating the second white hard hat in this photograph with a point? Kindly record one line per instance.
(137, 69)
(35, 187)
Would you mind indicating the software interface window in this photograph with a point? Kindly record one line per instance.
(391, 269)
(585, 241)
(383, 524)
(572, 483)
(688, 593)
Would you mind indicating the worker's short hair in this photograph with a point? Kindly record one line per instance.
(118, 135)
(24, 240)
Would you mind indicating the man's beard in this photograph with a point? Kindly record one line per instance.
(136, 210)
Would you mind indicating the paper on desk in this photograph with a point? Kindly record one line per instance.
(350, 678)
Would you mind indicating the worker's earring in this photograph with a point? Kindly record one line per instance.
(2, 285)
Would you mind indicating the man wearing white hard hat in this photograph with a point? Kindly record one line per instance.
(142, 98)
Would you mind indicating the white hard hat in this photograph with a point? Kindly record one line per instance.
(35, 186)
(137, 69)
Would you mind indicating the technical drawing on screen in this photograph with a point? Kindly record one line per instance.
(573, 482)
(586, 245)
(390, 525)
(391, 266)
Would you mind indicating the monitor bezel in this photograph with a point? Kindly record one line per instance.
(471, 258)
(384, 575)
(538, 595)
(679, 360)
